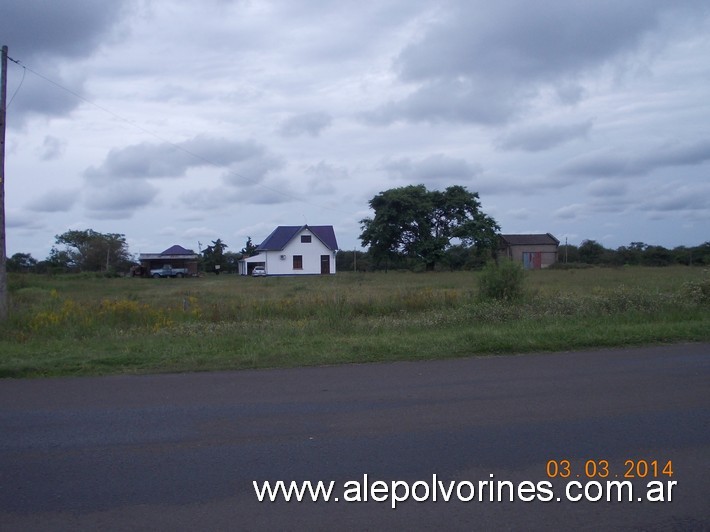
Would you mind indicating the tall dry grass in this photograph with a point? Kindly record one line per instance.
(75, 324)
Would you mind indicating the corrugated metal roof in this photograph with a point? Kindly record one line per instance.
(283, 234)
(530, 240)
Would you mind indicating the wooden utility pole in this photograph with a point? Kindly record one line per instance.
(3, 258)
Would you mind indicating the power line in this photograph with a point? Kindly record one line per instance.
(24, 72)
(172, 144)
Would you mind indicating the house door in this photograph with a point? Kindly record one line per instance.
(532, 260)
(325, 264)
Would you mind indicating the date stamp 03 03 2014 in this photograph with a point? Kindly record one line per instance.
(593, 469)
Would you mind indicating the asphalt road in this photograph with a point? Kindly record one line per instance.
(180, 452)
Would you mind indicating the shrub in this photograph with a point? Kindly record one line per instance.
(502, 281)
(696, 291)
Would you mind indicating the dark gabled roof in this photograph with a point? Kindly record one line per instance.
(177, 250)
(530, 240)
(283, 234)
(279, 237)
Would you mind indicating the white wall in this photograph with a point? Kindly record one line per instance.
(311, 253)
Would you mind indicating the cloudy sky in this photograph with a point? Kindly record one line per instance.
(180, 122)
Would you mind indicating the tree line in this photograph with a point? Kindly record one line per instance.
(417, 229)
(412, 228)
(591, 252)
(78, 251)
(87, 250)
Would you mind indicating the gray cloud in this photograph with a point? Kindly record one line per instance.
(679, 197)
(52, 148)
(323, 177)
(609, 163)
(656, 201)
(209, 199)
(450, 100)
(270, 191)
(62, 29)
(266, 193)
(144, 160)
(66, 28)
(570, 93)
(675, 154)
(58, 200)
(167, 160)
(483, 62)
(518, 40)
(252, 170)
(119, 199)
(543, 137)
(306, 124)
(601, 208)
(435, 169)
(23, 220)
(569, 212)
(274, 195)
(607, 187)
(247, 165)
(38, 97)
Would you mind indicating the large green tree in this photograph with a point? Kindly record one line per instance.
(417, 223)
(90, 250)
(213, 256)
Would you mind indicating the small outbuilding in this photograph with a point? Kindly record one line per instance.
(174, 257)
(534, 251)
(295, 250)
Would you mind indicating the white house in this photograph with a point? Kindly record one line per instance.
(295, 250)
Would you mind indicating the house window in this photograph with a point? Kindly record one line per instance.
(305, 239)
(298, 262)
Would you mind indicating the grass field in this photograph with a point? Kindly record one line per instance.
(83, 325)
